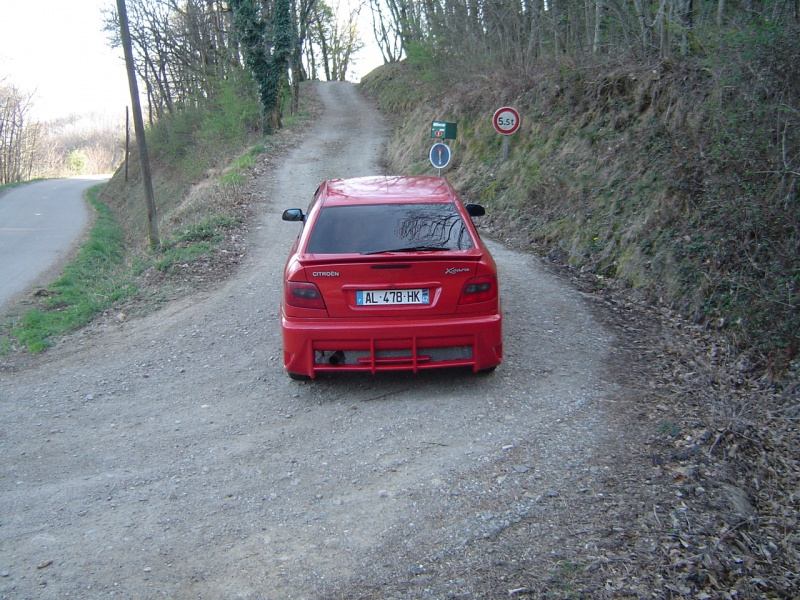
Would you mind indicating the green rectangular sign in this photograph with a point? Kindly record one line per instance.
(441, 130)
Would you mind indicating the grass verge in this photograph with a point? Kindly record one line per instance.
(8, 186)
(106, 273)
(94, 280)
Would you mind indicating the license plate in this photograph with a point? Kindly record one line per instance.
(391, 297)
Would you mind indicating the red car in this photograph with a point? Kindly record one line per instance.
(389, 274)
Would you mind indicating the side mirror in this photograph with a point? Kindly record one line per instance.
(475, 210)
(293, 215)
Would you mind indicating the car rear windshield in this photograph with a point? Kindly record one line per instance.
(378, 228)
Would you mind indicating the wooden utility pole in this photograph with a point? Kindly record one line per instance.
(138, 126)
(127, 140)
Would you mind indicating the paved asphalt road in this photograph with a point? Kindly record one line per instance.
(39, 223)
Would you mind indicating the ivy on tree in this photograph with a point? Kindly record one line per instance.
(267, 51)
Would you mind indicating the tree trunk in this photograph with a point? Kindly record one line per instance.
(599, 14)
(302, 15)
(687, 22)
(663, 29)
(555, 15)
(645, 27)
(251, 34)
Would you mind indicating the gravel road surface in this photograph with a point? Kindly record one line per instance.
(170, 456)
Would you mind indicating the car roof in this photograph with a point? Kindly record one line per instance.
(387, 190)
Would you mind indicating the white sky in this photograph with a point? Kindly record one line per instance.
(57, 50)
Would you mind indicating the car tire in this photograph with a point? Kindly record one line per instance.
(488, 371)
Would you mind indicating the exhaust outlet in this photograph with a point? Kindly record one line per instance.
(337, 358)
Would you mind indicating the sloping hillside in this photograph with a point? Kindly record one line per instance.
(673, 186)
(678, 179)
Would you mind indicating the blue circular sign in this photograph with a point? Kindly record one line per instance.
(440, 155)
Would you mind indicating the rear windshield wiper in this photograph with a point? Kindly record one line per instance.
(406, 249)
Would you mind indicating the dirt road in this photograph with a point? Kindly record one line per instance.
(170, 456)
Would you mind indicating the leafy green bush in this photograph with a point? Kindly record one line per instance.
(233, 115)
(193, 135)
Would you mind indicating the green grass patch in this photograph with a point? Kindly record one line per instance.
(241, 166)
(172, 259)
(193, 241)
(563, 579)
(233, 178)
(13, 184)
(669, 429)
(211, 229)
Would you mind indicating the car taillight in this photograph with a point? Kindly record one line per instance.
(303, 295)
(479, 289)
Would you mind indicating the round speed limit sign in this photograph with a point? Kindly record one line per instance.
(506, 120)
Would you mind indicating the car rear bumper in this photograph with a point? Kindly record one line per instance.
(312, 346)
